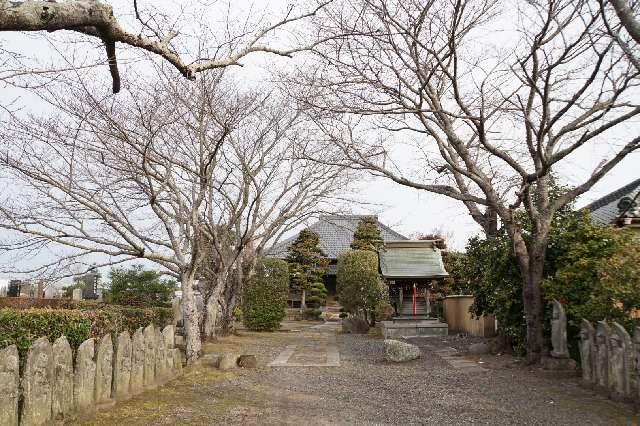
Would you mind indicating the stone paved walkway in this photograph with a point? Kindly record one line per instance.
(438, 389)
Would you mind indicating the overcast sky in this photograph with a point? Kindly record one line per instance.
(406, 210)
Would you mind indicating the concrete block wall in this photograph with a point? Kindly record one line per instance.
(106, 370)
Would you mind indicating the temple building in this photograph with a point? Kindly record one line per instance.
(403, 263)
(619, 208)
(336, 235)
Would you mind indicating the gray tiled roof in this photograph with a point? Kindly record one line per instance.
(415, 259)
(336, 235)
(605, 210)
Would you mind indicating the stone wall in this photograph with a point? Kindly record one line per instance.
(52, 387)
(610, 359)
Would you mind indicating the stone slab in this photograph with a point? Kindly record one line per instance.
(122, 367)
(37, 384)
(136, 384)
(62, 394)
(9, 386)
(84, 377)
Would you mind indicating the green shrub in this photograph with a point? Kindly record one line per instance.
(358, 283)
(384, 311)
(264, 299)
(312, 314)
(136, 286)
(597, 277)
(21, 327)
(90, 319)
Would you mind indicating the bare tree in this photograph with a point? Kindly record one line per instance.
(157, 36)
(625, 11)
(263, 189)
(126, 180)
(182, 175)
(497, 101)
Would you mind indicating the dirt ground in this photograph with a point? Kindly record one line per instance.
(362, 389)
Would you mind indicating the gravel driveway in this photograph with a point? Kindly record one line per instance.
(364, 390)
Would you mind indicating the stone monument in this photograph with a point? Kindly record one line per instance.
(559, 331)
(602, 354)
(620, 362)
(9, 385)
(587, 352)
(77, 294)
(559, 359)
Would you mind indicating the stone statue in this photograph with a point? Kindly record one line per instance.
(602, 354)
(587, 351)
(635, 376)
(559, 331)
(619, 362)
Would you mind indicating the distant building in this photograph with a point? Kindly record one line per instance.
(336, 235)
(619, 208)
(404, 264)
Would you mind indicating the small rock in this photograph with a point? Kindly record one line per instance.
(396, 351)
(228, 361)
(479, 348)
(247, 361)
(354, 325)
(211, 360)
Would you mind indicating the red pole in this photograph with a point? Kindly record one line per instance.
(414, 299)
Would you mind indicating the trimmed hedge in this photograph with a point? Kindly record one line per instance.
(23, 326)
(358, 283)
(264, 299)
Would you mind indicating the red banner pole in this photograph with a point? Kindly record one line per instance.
(414, 299)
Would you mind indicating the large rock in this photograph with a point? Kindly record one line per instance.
(37, 384)
(228, 361)
(122, 367)
(396, 351)
(84, 376)
(354, 325)
(62, 395)
(104, 371)
(136, 384)
(247, 361)
(9, 386)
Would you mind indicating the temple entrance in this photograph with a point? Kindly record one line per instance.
(401, 297)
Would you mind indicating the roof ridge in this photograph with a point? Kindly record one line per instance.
(612, 196)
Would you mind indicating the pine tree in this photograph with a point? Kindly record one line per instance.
(307, 266)
(367, 235)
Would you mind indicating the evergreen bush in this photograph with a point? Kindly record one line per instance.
(359, 285)
(264, 298)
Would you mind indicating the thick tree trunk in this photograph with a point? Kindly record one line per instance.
(531, 263)
(212, 307)
(533, 309)
(230, 301)
(303, 300)
(190, 317)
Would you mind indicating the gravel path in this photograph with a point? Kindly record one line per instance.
(365, 390)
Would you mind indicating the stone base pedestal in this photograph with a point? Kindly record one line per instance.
(413, 328)
(559, 364)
